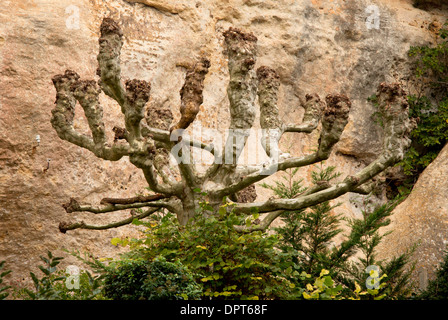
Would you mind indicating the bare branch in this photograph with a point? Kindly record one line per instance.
(257, 173)
(137, 95)
(66, 226)
(313, 112)
(191, 94)
(146, 165)
(394, 109)
(109, 70)
(74, 206)
(87, 93)
(273, 215)
(273, 127)
(152, 197)
(67, 86)
(241, 49)
(334, 120)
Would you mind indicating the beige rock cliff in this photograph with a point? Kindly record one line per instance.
(422, 219)
(347, 46)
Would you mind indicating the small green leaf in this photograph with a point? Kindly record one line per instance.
(137, 222)
(35, 280)
(45, 271)
(115, 241)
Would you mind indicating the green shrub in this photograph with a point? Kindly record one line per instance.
(170, 281)
(53, 285)
(3, 290)
(44, 287)
(227, 264)
(310, 236)
(428, 104)
(145, 280)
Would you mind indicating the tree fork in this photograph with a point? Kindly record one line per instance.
(147, 140)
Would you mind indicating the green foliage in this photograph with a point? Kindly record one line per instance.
(3, 293)
(53, 285)
(429, 104)
(44, 287)
(308, 235)
(145, 280)
(429, 137)
(126, 281)
(364, 239)
(90, 287)
(438, 288)
(289, 188)
(168, 280)
(228, 264)
(323, 288)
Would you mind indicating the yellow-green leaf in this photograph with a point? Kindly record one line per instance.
(115, 241)
(324, 272)
(357, 287)
(306, 295)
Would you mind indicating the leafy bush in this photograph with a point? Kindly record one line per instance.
(310, 236)
(3, 293)
(428, 104)
(44, 287)
(228, 264)
(144, 280)
(55, 284)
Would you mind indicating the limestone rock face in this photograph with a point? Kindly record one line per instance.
(422, 219)
(341, 46)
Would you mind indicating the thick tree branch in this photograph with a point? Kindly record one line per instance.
(152, 197)
(66, 226)
(68, 89)
(272, 126)
(241, 49)
(397, 127)
(109, 70)
(273, 215)
(258, 173)
(74, 206)
(146, 165)
(191, 94)
(313, 112)
(334, 120)
(137, 95)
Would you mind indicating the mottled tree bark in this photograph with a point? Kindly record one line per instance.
(148, 136)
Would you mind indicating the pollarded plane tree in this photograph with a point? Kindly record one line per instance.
(148, 135)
